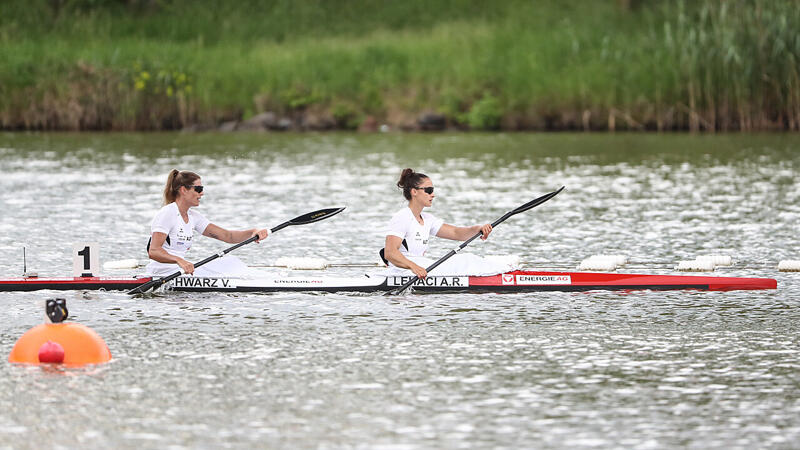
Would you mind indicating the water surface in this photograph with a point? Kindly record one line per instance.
(538, 370)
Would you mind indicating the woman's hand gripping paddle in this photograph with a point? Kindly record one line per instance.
(523, 208)
(307, 218)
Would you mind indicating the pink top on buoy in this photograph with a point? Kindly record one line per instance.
(51, 352)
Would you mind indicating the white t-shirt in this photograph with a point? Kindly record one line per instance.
(405, 226)
(168, 220)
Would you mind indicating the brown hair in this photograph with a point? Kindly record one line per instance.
(175, 180)
(410, 179)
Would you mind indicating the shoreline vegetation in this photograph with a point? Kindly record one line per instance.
(370, 65)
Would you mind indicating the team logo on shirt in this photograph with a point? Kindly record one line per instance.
(182, 235)
(184, 239)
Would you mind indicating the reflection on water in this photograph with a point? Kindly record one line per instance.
(600, 369)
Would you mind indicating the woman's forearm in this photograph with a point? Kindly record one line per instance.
(161, 255)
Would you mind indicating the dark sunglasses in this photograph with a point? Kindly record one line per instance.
(197, 189)
(428, 190)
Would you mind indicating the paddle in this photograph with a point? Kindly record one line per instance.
(299, 220)
(523, 208)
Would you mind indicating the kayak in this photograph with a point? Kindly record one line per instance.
(516, 281)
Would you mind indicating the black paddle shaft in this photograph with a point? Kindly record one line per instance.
(307, 218)
(523, 208)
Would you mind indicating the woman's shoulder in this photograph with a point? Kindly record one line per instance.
(169, 208)
(196, 214)
(403, 213)
(427, 215)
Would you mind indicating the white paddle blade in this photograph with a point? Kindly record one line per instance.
(121, 264)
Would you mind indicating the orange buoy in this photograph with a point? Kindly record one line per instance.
(72, 344)
(80, 343)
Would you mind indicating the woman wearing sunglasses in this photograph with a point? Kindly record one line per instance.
(410, 230)
(173, 231)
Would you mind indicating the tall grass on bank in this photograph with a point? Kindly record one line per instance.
(146, 64)
(737, 64)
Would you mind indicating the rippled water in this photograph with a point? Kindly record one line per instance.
(536, 370)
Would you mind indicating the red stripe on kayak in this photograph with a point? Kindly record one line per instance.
(529, 278)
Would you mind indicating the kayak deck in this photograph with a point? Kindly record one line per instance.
(517, 281)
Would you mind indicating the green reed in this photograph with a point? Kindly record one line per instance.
(147, 64)
(736, 64)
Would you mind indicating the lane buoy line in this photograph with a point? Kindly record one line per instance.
(599, 262)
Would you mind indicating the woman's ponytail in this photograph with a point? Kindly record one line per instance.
(408, 180)
(175, 180)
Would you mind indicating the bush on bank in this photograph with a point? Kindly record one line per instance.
(466, 64)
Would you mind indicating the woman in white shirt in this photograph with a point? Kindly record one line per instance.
(175, 223)
(411, 228)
